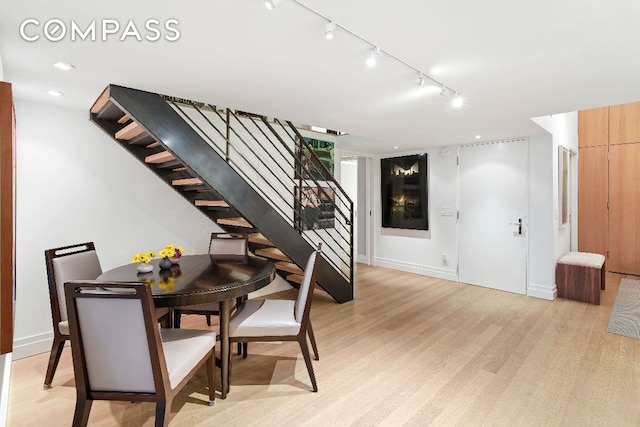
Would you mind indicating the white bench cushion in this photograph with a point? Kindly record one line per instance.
(583, 259)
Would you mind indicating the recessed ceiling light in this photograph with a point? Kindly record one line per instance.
(63, 66)
(395, 148)
(478, 136)
(55, 93)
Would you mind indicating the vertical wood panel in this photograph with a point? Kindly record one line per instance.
(7, 253)
(624, 123)
(592, 200)
(624, 222)
(593, 127)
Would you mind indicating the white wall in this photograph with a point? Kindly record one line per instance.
(75, 184)
(564, 131)
(421, 251)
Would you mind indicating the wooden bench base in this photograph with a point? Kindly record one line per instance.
(580, 283)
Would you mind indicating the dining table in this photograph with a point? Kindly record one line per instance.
(199, 279)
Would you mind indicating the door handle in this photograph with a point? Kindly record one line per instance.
(519, 224)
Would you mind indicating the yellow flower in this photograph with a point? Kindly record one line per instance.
(144, 257)
(170, 251)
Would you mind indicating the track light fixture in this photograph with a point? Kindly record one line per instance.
(272, 4)
(457, 100)
(328, 30)
(372, 59)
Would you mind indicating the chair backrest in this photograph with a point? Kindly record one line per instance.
(114, 338)
(305, 293)
(229, 244)
(74, 262)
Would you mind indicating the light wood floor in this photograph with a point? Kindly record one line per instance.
(410, 350)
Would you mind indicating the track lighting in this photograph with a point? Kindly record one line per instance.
(328, 30)
(272, 4)
(457, 100)
(373, 57)
(420, 81)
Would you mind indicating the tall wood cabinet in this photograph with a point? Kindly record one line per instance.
(609, 185)
(7, 217)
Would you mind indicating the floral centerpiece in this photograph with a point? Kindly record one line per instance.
(172, 252)
(143, 260)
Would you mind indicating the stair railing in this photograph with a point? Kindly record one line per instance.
(279, 164)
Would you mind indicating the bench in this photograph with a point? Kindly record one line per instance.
(580, 277)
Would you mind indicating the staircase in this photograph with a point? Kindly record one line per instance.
(243, 171)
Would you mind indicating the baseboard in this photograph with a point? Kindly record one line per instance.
(424, 270)
(30, 346)
(542, 291)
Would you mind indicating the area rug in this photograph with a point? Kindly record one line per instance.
(625, 315)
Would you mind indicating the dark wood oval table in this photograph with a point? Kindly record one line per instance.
(199, 279)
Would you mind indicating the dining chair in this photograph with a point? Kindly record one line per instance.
(280, 320)
(119, 353)
(65, 263)
(223, 246)
(73, 262)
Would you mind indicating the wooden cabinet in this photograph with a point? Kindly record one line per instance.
(624, 123)
(609, 173)
(593, 127)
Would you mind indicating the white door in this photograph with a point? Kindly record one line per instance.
(493, 215)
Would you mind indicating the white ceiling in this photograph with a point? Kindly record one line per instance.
(511, 60)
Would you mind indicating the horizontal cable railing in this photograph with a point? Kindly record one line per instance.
(278, 163)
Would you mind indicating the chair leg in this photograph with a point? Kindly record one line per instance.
(176, 318)
(163, 409)
(54, 358)
(81, 415)
(312, 338)
(239, 348)
(208, 320)
(211, 379)
(245, 349)
(307, 359)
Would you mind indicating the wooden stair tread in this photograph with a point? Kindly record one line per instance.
(130, 131)
(273, 253)
(212, 203)
(124, 119)
(102, 100)
(153, 145)
(186, 181)
(260, 239)
(289, 267)
(161, 157)
(235, 222)
(296, 278)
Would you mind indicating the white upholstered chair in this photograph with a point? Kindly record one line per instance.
(223, 246)
(119, 353)
(280, 320)
(74, 262)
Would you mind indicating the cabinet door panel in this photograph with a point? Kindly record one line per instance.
(624, 222)
(592, 200)
(624, 123)
(593, 127)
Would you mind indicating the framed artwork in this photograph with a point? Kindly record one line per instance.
(316, 207)
(404, 192)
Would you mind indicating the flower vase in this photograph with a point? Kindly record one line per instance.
(144, 268)
(174, 259)
(165, 264)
